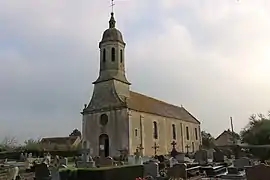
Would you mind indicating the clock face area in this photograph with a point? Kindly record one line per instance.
(103, 119)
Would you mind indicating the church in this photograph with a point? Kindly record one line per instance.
(120, 119)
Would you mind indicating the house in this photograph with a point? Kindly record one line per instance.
(227, 138)
(61, 143)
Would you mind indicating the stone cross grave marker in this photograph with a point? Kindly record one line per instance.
(174, 151)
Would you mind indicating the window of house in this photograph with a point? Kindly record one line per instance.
(173, 131)
(136, 132)
(187, 133)
(104, 55)
(155, 130)
(113, 54)
(121, 55)
(196, 134)
(193, 147)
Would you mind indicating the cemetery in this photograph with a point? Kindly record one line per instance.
(203, 164)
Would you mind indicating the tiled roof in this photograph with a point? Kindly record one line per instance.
(60, 140)
(143, 103)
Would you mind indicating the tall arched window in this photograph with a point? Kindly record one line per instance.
(187, 133)
(173, 131)
(104, 55)
(155, 130)
(113, 54)
(121, 55)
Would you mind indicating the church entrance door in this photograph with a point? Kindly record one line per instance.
(104, 149)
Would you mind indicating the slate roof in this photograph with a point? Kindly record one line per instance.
(60, 140)
(143, 103)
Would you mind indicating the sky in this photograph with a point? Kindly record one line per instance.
(212, 57)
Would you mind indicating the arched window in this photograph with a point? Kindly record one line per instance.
(155, 130)
(187, 133)
(173, 131)
(121, 55)
(104, 55)
(196, 134)
(113, 54)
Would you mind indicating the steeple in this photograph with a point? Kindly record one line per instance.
(112, 21)
(112, 55)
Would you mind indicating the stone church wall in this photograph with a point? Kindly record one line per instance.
(117, 130)
(143, 124)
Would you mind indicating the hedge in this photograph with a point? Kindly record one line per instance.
(104, 173)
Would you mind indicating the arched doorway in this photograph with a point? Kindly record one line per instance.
(104, 147)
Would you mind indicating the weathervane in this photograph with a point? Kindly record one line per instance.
(112, 5)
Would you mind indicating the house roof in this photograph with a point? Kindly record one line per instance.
(143, 103)
(60, 140)
(230, 133)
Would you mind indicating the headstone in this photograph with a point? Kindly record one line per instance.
(218, 156)
(22, 158)
(258, 172)
(13, 173)
(178, 171)
(210, 154)
(234, 174)
(42, 172)
(173, 161)
(27, 164)
(180, 157)
(138, 158)
(97, 161)
(55, 175)
(107, 161)
(63, 161)
(201, 157)
(151, 169)
(242, 162)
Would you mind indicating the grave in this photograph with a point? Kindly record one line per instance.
(201, 157)
(258, 172)
(213, 171)
(151, 169)
(218, 156)
(234, 174)
(184, 171)
(242, 163)
(106, 161)
(42, 172)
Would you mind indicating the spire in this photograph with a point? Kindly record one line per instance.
(112, 21)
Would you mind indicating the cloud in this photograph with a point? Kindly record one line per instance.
(212, 57)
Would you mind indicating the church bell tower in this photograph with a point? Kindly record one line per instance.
(112, 55)
(111, 89)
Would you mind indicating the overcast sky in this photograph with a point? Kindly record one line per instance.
(213, 57)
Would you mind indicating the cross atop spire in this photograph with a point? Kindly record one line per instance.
(112, 20)
(112, 4)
